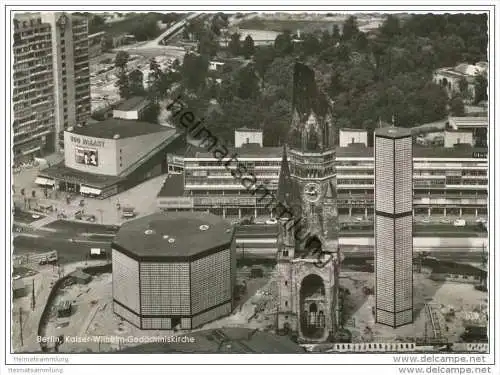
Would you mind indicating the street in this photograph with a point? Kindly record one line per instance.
(71, 246)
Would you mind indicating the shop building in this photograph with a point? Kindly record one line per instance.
(107, 157)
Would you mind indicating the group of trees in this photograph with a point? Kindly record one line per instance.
(132, 83)
(141, 26)
(238, 48)
(369, 77)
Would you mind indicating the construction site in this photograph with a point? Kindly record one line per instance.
(445, 312)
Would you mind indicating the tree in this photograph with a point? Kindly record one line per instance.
(480, 88)
(145, 29)
(248, 48)
(391, 27)
(151, 113)
(463, 85)
(195, 27)
(247, 83)
(234, 44)
(96, 23)
(283, 43)
(335, 34)
(311, 45)
(123, 84)
(276, 122)
(121, 60)
(194, 71)
(263, 57)
(457, 107)
(350, 28)
(107, 43)
(207, 44)
(135, 80)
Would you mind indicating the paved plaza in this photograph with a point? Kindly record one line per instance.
(142, 197)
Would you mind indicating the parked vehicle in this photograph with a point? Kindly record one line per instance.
(271, 221)
(459, 223)
(90, 218)
(96, 252)
(128, 212)
(49, 259)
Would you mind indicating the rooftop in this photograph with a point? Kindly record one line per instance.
(393, 132)
(245, 151)
(468, 122)
(245, 129)
(110, 128)
(173, 186)
(134, 103)
(174, 236)
(352, 151)
(353, 130)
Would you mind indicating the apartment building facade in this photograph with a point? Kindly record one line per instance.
(51, 80)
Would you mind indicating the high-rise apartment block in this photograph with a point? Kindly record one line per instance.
(393, 227)
(51, 80)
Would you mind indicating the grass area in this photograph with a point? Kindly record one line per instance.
(282, 25)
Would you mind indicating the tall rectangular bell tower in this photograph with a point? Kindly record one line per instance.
(393, 227)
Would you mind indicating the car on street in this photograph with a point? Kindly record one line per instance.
(445, 221)
(36, 216)
(96, 252)
(271, 221)
(128, 212)
(459, 223)
(49, 259)
(426, 220)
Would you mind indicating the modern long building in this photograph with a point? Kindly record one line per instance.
(393, 227)
(175, 270)
(51, 80)
(446, 182)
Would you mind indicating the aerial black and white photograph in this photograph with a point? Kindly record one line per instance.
(250, 181)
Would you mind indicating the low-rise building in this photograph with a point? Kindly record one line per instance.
(244, 136)
(107, 157)
(352, 136)
(131, 109)
(451, 77)
(446, 181)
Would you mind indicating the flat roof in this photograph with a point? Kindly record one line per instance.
(468, 122)
(124, 128)
(353, 130)
(245, 129)
(173, 236)
(247, 150)
(131, 104)
(352, 150)
(173, 186)
(393, 132)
